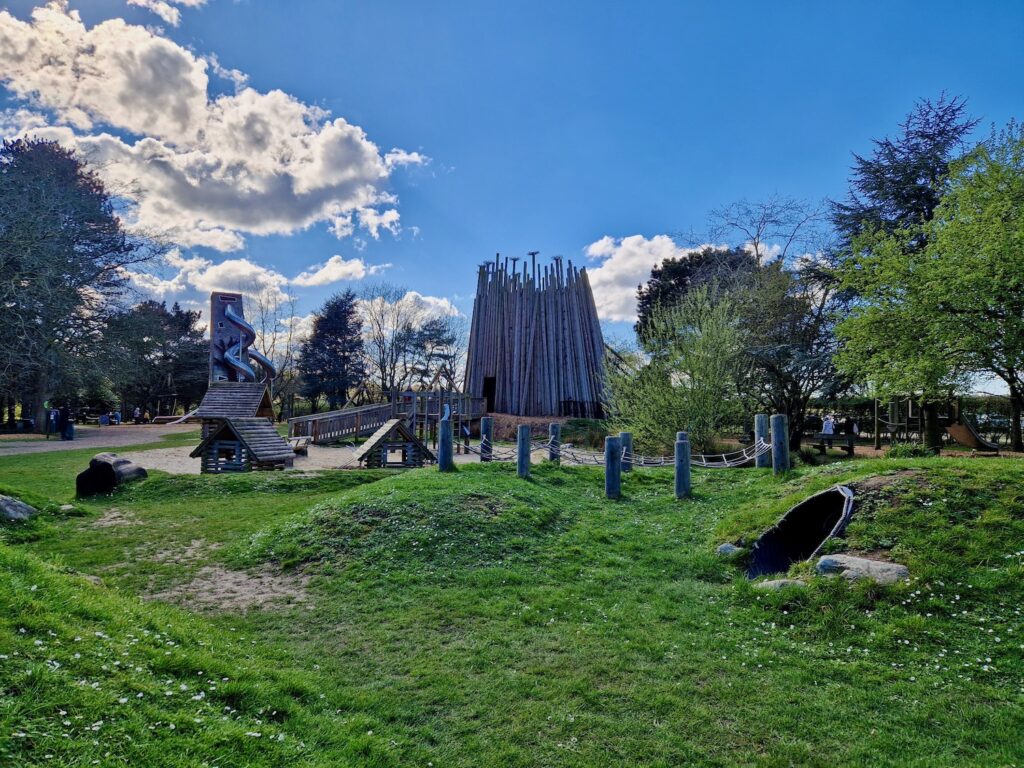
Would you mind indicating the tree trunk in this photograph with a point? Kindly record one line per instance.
(38, 405)
(931, 432)
(1016, 439)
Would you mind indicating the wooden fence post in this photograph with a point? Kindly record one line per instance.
(445, 461)
(486, 436)
(612, 467)
(683, 483)
(780, 444)
(761, 433)
(555, 443)
(626, 438)
(523, 451)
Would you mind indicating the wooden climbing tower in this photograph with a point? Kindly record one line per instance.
(535, 343)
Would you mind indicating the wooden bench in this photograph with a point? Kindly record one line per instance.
(838, 441)
(300, 445)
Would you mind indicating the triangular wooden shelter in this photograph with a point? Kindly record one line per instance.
(243, 444)
(393, 436)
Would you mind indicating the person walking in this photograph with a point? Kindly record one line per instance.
(137, 415)
(63, 420)
(828, 428)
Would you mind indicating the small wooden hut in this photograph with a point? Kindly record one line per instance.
(535, 343)
(394, 437)
(242, 445)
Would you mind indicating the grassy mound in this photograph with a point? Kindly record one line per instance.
(425, 522)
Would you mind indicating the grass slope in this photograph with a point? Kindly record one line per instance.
(476, 619)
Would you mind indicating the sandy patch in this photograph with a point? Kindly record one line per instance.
(217, 588)
(196, 550)
(878, 482)
(114, 517)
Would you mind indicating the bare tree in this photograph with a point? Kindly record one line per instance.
(792, 226)
(275, 321)
(390, 319)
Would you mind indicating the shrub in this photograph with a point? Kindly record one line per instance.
(908, 451)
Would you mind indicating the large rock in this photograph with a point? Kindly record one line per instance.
(14, 511)
(850, 567)
(106, 471)
(729, 550)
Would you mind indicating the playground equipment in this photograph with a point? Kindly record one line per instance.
(965, 433)
(237, 411)
(801, 532)
(535, 344)
(392, 437)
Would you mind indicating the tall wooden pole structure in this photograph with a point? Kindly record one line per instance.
(535, 343)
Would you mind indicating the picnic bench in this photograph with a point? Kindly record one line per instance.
(845, 442)
(300, 445)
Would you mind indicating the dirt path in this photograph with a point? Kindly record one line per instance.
(96, 437)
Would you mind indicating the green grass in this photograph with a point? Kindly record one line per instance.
(476, 619)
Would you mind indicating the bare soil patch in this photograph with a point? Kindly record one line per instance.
(878, 482)
(220, 589)
(114, 517)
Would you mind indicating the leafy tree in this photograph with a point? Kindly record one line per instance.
(63, 255)
(929, 318)
(331, 361)
(671, 280)
(687, 380)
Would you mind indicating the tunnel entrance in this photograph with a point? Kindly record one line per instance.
(801, 531)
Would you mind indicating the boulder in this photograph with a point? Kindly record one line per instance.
(728, 550)
(107, 471)
(14, 511)
(850, 567)
(779, 583)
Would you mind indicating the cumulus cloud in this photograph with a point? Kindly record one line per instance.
(625, 263)
(196, 169)
(336, 269)
(194, 273)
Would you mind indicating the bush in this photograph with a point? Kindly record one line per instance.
(586, 433)
(908, 451)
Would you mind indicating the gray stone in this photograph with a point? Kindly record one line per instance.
(67, 507)
(779, 583)
(728, 550)
(14, 511)
(850, 567)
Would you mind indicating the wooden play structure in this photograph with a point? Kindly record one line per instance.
(535, 343)
(242, 445)
(393, 445)
(903, 419)
(237, 411)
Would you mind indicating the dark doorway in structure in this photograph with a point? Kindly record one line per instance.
(801, 531)
(490, 385)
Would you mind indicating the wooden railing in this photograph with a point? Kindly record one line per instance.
(332, 426)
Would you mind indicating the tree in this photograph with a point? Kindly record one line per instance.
(391, 319)
(687, 379)
(929, 318)
(902, 183)
(63, 257)
(893, 197)
(671, 280)
(331, 361)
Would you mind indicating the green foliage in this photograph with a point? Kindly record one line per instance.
(908, 451)
(689, 381)
(586, 433)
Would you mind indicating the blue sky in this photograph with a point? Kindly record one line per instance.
(549, 126)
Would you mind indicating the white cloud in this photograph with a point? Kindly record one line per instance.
(626, 263)
(204, 276)
(165, 8)
(336, 269)
(200, 171)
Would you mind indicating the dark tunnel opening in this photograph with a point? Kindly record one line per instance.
(801, 531)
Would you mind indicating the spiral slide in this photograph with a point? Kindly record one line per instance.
(235, 356)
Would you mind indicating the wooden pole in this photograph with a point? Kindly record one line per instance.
(683, 483)
(780, 443)
(877, 429)
(612, 467)
(555, 442)
(627, 451)
(445, 460)
(486, 436)
(761, 433)
(523, 451)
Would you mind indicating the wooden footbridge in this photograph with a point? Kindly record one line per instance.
(419, 410)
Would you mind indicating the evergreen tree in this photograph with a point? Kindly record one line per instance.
(331, 361)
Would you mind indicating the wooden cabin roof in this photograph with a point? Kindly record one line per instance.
(235, 399)
(388, 431)
(257, 434)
